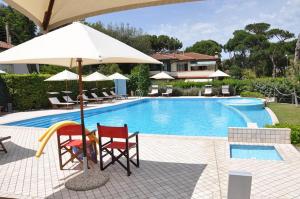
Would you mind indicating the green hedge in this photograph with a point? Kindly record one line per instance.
(265, 86)
(29, 91)
(295, 131)
(251, 94)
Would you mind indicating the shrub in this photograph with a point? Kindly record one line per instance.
(139, 79)
(29, 91)
(295, 131)
(251, 94)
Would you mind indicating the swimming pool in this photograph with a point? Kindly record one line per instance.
(170, 116)
(254, 152)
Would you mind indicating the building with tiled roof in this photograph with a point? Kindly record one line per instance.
(4, 45)
(17, 68)
(185, 65)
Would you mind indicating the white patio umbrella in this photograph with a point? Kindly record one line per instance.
(94, 77)
(63, 76)
(2, 72)
(162, 75)
(117, 76)
(219, 73)
(49, 14)
(74, 45)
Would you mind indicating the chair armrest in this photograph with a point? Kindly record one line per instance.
(133, 135)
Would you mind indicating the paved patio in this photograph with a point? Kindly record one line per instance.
(171, 167)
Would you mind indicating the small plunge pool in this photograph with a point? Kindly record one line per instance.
(258, 152)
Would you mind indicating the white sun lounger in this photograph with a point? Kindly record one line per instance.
(208, 90)
(154, 91)
(225, 90)
(169, 91)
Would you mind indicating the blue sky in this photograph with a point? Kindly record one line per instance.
(209, 19)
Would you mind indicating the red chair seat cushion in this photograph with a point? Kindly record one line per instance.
(119, 145)
(75, 143)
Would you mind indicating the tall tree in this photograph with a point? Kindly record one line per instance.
(209, 47)
(20, 27)
(260, 48)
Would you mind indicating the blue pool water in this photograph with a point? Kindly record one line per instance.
(254, 152)
(176, 116)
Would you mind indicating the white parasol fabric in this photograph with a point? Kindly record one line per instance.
(162, 75)
(117, 76)
(63, 76)
(219, 73)
(50, 14)
(64, 45)
(94, 77)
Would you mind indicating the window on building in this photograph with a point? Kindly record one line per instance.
(182, 66)
(32, 68)
(196, 68)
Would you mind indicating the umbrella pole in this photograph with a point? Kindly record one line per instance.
(85, 168)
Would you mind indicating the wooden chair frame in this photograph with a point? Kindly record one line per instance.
(108, 150)
(66, 147)
(2, 145)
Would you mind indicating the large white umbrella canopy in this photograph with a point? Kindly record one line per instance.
(162, 75)
(2, 72)
(94, 77)
(64, 45)
(117, 76)
(49, 14)
(219, 73)
(70, 44)
(63, 76)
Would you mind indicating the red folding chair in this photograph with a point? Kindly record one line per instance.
(68, 145)
(123, 146)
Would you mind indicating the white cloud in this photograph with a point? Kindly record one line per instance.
(232, 15)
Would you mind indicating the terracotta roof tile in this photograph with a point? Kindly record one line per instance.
(5, 45)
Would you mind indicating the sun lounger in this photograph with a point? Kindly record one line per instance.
(107, 96)
(118, 96)
(225, 90)
(94, 95)
(208, 90)
(86, 98)
(1, 143)
(154, 91)
(169, 91)
(69, 99)
(56, 103)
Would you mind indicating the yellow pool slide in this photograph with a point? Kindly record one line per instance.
(44, 138)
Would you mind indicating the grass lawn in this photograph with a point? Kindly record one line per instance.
(286, 113)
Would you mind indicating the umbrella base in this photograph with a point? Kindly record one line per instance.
(83, 182)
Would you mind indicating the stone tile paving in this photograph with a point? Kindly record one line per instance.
(171, 167)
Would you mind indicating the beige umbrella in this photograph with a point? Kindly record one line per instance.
(95, 77)
(63, 76)
(49, 14)
(162, 75)
(219, 73)
(117, 76)
(74, 45)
